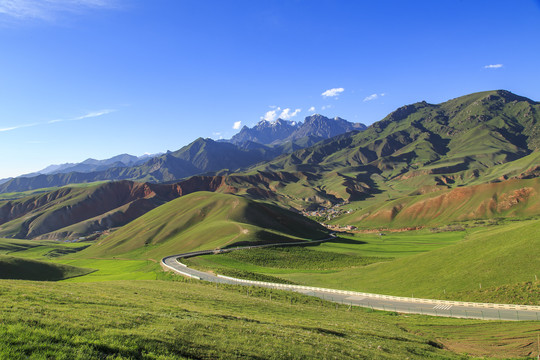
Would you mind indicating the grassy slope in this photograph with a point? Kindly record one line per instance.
(168, 320)
(177, 320)
(203, 220)
(342, 254)
(501, 259)
(54, 253)
(38, 249)
(512, 198)
(29, 269)
(495, 256)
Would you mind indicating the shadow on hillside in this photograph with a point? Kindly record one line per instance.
(339, 240)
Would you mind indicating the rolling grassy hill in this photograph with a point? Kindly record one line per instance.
(74, 211)
(510, 198)
(28, 269)
(487, 257)
(70, 211)
(204, 220)
(488, 260)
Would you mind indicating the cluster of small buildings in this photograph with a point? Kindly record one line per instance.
(328, 213)
(339, 227)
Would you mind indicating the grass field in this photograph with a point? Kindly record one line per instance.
(343, 254)
(184, 319)
(114, 313)
(35, 249)
(54, 253)
(486, 264)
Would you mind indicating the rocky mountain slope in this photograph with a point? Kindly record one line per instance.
(317, 127)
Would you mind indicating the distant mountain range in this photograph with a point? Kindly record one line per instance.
(91, 165)
(473, 157)
(280, 131)
(263, 142)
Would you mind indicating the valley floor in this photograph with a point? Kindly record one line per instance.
(129, 309)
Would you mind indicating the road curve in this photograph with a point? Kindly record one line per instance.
(444, 308)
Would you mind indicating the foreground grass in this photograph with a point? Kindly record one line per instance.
(177, 320)
(94, 318)
(501, 340)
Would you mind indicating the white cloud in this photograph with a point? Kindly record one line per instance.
(333, 92)
(9, 128)
(493, 66)
(48, 9)
(286, 114)
(92, 114)
(311, 109)
(271, 115)
(17, 127)
(86, 116)
(326, 107)
(237, 125)
(374, 96)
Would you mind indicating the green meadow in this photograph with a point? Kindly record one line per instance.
(472, 265)
(131, 309)
(186, 319)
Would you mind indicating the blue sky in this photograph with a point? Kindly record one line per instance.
(96, 78)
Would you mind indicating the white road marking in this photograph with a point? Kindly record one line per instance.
(442, 307)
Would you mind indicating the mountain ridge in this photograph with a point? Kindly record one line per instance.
(281, 131)
(199, 157)
(419, 149)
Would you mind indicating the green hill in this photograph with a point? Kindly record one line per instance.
(483, 137)
(28, 269)
(511, 198)
(487, 257)
(79, 210)
(204, 220)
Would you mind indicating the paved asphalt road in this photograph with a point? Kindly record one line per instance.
(405, 305)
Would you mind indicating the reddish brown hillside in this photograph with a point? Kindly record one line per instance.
(96, 208)
(506, 198)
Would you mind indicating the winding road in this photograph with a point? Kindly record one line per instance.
(445, 308)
